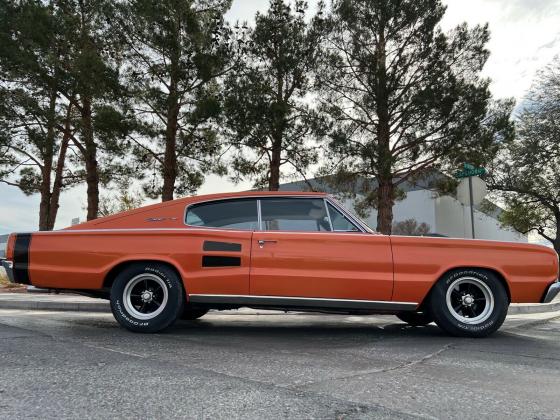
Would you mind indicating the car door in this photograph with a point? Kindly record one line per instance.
(217, 247)
(299, 252)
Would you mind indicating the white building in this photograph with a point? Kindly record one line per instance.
(444, 214)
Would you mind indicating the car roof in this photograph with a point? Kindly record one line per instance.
(193, 200)
(209, 197)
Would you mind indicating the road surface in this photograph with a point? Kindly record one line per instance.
(270, 365)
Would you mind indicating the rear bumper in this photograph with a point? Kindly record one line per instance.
(9, 267)
(551, 292)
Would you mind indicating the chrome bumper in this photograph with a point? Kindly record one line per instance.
(551, 292)
(9, 267)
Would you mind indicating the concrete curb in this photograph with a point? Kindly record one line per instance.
(69, 303)
(533, 308)
(34, 305)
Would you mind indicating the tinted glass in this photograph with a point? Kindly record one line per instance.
(297, 214)
(229, 214)
(339, 221)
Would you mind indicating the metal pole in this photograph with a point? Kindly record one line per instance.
(471, 203)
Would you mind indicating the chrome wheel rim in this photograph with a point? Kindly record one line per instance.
(470, 300)
(145, 296)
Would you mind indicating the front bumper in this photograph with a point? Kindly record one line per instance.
(551, 292)
(9, 267)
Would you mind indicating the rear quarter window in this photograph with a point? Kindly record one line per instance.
(227, 214)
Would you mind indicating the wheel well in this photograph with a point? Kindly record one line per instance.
(498, 275)
(116, 270)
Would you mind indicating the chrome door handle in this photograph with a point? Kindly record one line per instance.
(264, 241)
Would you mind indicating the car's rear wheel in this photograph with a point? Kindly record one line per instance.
(416, 319)
(191, 314)
(147, 297)
(469, 303)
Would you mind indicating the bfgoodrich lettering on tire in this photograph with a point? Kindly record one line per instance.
(469, 303)
(147, 297)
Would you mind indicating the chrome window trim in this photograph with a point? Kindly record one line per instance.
(259, 215)
(345, 215)
(328, 213)
(255, 197)
(312, 197)
(360, 225)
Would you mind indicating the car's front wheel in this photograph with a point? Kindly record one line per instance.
(147, 297)
(469, 303)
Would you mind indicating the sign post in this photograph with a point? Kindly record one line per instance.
(469, 171)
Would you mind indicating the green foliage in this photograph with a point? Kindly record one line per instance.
(172, 62)
(526, 175)
(410, 227)
(402, 96)
(124, 200)
(267, 114)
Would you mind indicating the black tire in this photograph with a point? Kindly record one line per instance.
(416, 319)
(190, 314)
(478, 303)
(142, 281)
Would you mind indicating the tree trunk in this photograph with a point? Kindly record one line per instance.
(274, 179)
(48, 151)
(170, 156)
(556, 242)
(90, 158)
(557, 245)
(59, 172)
(44, 205)
(385, 194)
(384, 169)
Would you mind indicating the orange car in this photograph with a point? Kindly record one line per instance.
(278, 250)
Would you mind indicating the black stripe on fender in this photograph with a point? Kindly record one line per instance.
(221, 246)
(220, 261)
(21, 258)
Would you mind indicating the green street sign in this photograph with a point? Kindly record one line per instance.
(469, 170)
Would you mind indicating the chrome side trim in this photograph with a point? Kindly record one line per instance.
(303, 302)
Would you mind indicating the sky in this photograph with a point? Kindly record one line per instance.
(525, 36)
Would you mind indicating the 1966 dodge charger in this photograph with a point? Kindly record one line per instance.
(278, 250)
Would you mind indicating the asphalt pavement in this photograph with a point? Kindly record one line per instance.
(269, 365)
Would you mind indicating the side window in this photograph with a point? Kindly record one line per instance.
(229, 214)
(340, 222)
(294, 214)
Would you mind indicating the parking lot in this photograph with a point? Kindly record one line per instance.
(271, 365)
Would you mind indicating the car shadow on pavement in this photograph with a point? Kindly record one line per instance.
(319, 329)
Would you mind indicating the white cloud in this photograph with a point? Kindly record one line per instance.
(525, 36)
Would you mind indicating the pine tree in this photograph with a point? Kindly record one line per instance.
(267, 114)
(174, 59)
(526, 175)
(90, 81)
(401, 94)
(34, 122)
